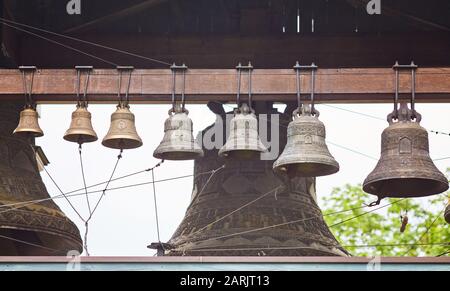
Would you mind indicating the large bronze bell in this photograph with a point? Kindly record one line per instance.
(81, 130)
(29, 124)
(306, 153)
(178, 142)
(405, 168)
(28, 229)
(214, 226)
(243, 141)
(122, 133)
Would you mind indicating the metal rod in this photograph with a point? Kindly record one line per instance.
(183, 92)
(297, 68)
(413, 89)
(313, 85)
(397, 77)
(250, 72)
(238, 95)
(173, 87)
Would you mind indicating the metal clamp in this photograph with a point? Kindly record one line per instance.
(28, 91)
(121, 70)
(248, 68)
(183, 69)
(313, 69)
(87, 70)
(411, 67)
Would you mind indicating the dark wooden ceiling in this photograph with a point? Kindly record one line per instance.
(219, 33)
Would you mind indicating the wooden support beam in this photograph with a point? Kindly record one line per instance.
(357, 85)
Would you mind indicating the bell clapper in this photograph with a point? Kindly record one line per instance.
(404, 221)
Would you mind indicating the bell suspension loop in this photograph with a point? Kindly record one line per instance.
(83, 102)
(397, 67)
(28, 90)
(174, 68)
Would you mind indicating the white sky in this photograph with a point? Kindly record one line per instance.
(124, 223)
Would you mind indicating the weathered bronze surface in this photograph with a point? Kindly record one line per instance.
(81, 130)
(240, 182)
(29, 124)
(178, 142)
(43, 225)
(122, 133)
(447, 213)
(243, 141)
(405, 168)
(306, 153)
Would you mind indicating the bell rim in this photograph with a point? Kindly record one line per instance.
(68, 239)
(25, 133)
(76, 138)
(165, 155)
(114, 143)
(327, 169)
(442, 185)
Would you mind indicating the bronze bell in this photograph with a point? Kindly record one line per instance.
(81, 130)
(29, 124)
(447, 213)
(122, 133)
(243, 141)
(306, 153)
(28, 229)
(178, 142)
(405, 168)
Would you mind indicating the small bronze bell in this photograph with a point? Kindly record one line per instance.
(243, 141)
(178, 142)
(81, 130)
(405, 168)
(306, 153)
(28, 123)
(122, 133)
(447, 213)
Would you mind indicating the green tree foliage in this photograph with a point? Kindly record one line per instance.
(382, 227)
